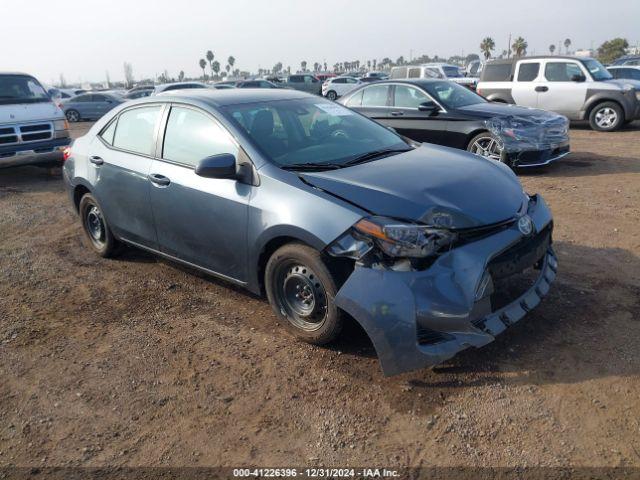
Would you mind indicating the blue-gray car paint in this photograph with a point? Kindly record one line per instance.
(316, 208)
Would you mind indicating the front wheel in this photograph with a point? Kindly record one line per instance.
(606, 117)
(73, 116)
(301, 291)
(331, 95)
(486, 145)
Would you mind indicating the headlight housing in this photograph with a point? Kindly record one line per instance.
(638, 95)
(394, 238)
(60, 125)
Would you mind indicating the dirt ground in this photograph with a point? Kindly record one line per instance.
(137, 362)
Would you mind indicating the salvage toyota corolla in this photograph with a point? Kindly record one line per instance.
(432, 250)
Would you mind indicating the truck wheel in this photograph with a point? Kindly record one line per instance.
(73, 116)
(96, 228)
(606, 117)
(331, 95)
(301, 291)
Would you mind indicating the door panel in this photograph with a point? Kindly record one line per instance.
(201, 220)
(526, 83)
(560, 94)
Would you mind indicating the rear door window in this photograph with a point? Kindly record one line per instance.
(375, 96)
(528, 72)
(192, 136)
(136, 129)
(500, 72)
(355, 100)
(409, 97)
(414, 72)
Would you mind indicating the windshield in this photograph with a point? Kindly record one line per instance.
(21, 89)
(452, 95)
(311, 131)
(598, 72)
(452, 72)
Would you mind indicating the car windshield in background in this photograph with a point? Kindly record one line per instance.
(452, 95)
(313, 133)
(452, 72)
(598, 72)
(21, 89)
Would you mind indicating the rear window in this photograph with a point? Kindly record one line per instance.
(136, 128)
(500, 72)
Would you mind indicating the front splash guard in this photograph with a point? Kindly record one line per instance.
(391, 306)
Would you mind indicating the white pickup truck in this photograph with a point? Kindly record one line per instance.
(33, 129)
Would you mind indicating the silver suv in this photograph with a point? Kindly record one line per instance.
(579, 88)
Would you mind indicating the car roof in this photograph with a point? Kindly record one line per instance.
(623, 66)
(230, 96)
(506, 61)
(413, 81)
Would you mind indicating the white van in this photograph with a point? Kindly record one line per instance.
(433, 70)
(33, 129)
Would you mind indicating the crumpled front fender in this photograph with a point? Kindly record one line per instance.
(448, 298)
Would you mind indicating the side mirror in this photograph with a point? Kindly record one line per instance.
(429, 107)
(578, 78)
(217, 166)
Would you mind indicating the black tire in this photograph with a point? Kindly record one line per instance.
(606, 117)
(298, 270)
(332, 95)
(73, 115)
(497, 154)
(95, 227)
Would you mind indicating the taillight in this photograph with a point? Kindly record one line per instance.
(66, 153)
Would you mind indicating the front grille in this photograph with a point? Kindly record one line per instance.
(524, 254)
(468, 235)
(25, 133)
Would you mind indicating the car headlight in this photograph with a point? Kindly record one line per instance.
(638, 95)
(393, 238)
(60, 125)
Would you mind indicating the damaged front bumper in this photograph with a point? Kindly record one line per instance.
(417, 319)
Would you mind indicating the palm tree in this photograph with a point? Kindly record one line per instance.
(181, 76)
(215, 66)
(567, 44)
(227, 68)
(519, 46)
(487, 46)
(203, 63)
(210, 57)
(552, 48)
(303, 64)
(231, 60)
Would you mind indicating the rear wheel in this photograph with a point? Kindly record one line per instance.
(95, 227)
(331, 95)
(486, 145)
(73, 116)
(606, 117)
(301, 290)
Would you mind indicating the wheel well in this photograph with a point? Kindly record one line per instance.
(600, 102)
(268, 250)
(473, 134)
(78, 193)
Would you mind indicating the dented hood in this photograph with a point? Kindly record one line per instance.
(431, 184)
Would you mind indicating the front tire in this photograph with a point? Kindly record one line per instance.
(331, 95)
(73, 116)
(301, 291)
(606, 117)
(486, 145)
(95, 227)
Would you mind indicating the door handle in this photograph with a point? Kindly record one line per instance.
(158, 179)
(397, 113)
(542, 89)
(96, 160)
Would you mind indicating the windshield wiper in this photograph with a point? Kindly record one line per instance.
(312, 166)
(373, 155)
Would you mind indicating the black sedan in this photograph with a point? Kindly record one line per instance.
(444, 113)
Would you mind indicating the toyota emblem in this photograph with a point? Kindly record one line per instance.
(525, 225)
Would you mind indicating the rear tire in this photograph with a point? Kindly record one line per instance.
(73, 116)
(331, 95)
(95, 227)
(606, 117)
(301, 291)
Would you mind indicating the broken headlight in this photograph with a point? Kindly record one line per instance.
(393, 238)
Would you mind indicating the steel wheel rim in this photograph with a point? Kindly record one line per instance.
(94, 224)
(301, 297)
(72, 116)
(606, 117)
(487, 147)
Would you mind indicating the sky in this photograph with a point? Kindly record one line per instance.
(85, 39)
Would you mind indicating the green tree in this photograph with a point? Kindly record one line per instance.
(303, 64)
(231, 60)
(487, 46)
(277, 68)
(552, 48)
(567, 44)
(203, 64)
(181, 76)
(210, 58)
(519, 47)
(215, 66)
(612, 49)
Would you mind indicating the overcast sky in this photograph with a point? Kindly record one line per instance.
(83, 38)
